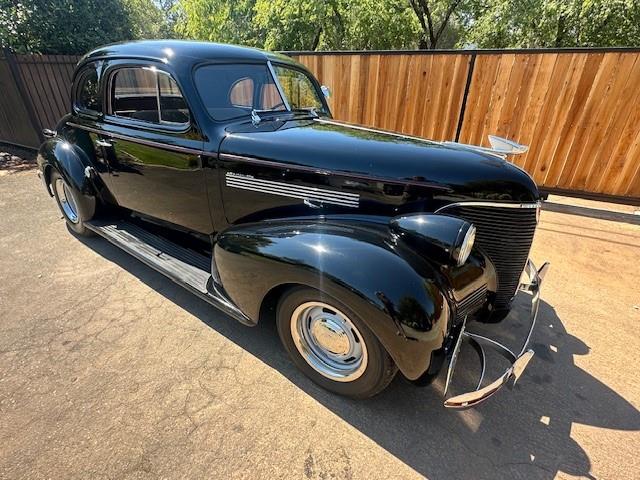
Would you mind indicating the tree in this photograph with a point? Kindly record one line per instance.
(301, 24)
(150, 18)
(219, 21)
(381, 25)
(75, 26)
(435, 19)
(553, 23)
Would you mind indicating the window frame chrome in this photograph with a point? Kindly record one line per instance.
(163, 126)
(276, 80)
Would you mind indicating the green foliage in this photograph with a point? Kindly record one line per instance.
(219, 21)
(381, 25)
(149, 18)
(301, 24)
(76, 26)
(553, 23)
(439, 21)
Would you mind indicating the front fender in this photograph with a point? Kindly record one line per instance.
(395, 292)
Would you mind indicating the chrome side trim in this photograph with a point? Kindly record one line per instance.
(490, 204)
(322, 195)
(285, 100)
(150, 143)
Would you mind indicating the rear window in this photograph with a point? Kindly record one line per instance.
(149, 95)
(231, 91)
(87, 92)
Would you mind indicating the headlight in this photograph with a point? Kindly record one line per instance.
(462, 253)
(439, 237)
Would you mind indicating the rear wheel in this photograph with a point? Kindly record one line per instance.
(76, 207)
(331, 345)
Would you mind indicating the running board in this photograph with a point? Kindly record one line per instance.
(185, 267)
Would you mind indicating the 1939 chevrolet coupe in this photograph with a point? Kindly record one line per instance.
(221, 167)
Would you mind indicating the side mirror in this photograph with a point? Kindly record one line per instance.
(325, 91)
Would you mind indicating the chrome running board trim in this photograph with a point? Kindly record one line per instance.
(518, 361)
(185, 267)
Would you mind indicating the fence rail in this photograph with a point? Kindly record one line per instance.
(578, 110)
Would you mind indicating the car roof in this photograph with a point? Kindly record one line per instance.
(183, 53)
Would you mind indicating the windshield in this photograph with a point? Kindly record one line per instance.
(235, 90)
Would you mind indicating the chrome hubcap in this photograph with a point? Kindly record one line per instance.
(67, 202)
(328, 341)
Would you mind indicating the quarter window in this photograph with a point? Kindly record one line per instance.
(149, 95)
(87, 92)
(241, 94)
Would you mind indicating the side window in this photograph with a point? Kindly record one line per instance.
(87, 97)
(173, 108)
(147, 94)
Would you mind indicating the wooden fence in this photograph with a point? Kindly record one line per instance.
(35, 93)
(578, 110)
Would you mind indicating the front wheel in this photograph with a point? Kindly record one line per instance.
(75, 207)
(331, 345)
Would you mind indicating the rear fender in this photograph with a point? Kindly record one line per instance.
(394, 291)
(70, 161)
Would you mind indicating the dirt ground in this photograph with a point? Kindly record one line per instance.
(108, 370)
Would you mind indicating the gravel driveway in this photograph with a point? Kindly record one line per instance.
(108, 370)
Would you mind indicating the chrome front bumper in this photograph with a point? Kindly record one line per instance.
(478, 342)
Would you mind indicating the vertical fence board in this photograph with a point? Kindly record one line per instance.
(16, 122)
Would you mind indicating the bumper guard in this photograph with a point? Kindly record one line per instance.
(478, 342)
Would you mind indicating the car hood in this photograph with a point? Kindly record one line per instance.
(451, 172)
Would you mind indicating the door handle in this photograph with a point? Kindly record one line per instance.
(104, 143)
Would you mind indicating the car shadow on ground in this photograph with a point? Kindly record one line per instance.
(521, 433)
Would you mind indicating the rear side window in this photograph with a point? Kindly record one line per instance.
(148, 95)
(87, 92)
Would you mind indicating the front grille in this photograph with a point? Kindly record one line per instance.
(471, 303)
(505, 236)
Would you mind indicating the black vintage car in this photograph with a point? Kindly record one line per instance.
(221, 167)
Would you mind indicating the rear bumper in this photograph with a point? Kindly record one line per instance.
(519, 361)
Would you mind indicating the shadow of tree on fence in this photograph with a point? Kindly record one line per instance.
(522, 433)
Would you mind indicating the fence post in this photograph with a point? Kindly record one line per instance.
(24, 95)
(463, 106)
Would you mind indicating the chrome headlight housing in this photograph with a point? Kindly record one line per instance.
(461, 254)
(441, 237)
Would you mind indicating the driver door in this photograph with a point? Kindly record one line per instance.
(153, 149)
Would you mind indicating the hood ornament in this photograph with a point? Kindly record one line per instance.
(255, 118)
(499, 146)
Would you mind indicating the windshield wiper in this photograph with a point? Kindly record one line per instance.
(310, 110)
(256, 117)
